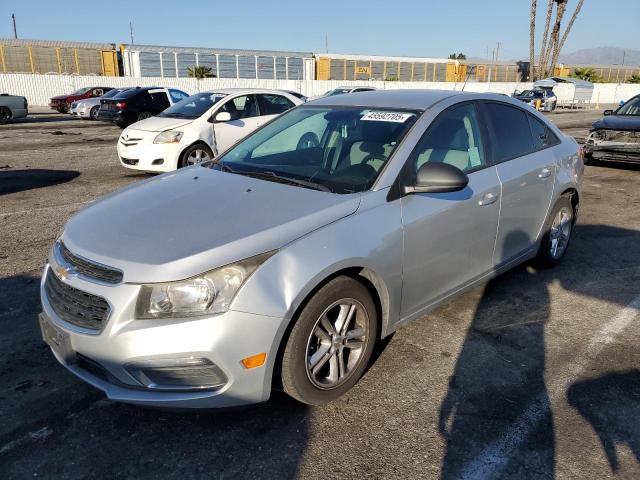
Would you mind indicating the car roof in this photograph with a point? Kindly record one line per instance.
(406, 99)
(233, 91)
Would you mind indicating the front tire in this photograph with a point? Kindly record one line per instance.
(559, 230)
(144, 116)
(195, 155)
(93, 113)
(331, 342)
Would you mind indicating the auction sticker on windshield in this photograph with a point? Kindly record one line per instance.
(397, 117)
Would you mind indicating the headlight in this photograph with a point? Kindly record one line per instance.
(170, 136)
(206, 294)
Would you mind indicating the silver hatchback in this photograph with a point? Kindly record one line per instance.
(286, 259)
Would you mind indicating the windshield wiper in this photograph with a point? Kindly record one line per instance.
(269, 175)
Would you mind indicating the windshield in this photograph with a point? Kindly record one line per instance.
(532, 93)
(632, 107)
(81, 91)
(335, 149)
(194, 106)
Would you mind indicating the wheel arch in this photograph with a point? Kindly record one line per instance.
(195, 142)
(574, 196)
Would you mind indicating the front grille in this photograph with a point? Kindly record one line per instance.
(88, 268)
(127, 142)
(129, 161)
(75, 306)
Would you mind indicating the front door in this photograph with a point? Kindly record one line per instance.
(449, 237)
(244, 119)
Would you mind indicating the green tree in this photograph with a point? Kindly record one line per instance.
(199, 72)
(586, 73)
(457, 56)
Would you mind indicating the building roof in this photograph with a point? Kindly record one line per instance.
(22, 42)
(211, 51)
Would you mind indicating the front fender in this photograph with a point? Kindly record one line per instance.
(370, 240)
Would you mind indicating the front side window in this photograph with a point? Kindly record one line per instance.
(632, 107)
(454, 138)
(336, 149)
(274, 104)
(512, 135)
(194, 106)
(244, 106)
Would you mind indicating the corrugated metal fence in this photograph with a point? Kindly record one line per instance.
(40, 88)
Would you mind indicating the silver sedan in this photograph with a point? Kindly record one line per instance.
(286, 259)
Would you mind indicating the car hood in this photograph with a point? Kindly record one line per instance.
(160, 124)
(618, 122)
(89, 101)
(184, 223)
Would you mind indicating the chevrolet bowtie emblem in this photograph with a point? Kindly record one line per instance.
(62, 272)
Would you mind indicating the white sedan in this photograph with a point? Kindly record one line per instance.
(199, 127)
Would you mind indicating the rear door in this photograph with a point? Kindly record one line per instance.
(449, 238)
(527, 174)
(245, 118)
(159, 100)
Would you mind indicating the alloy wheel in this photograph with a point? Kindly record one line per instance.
(336, 343)
(560, 232)
(197, 156)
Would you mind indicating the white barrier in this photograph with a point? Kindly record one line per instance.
(40, 88)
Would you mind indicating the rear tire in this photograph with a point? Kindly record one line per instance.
(144, 115)
(5, 115)
(555, 242)
(325, 355)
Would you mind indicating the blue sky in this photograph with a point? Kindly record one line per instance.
(393, 27)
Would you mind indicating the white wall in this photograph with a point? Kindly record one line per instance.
(40, 88)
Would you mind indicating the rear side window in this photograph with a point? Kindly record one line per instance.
(274, 104)
(512, 135)
(543, 137)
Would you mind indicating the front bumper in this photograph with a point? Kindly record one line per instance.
(614, 146)
(223, 340)
(142, 155)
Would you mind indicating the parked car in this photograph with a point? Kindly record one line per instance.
(88, 107)
(12, 107)
(199, 127)
(285, 262)
(137, 104)
(545, 96)
(343, 90)
(62, 103)
(616, 136)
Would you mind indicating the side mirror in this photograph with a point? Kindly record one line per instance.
(222, 117)
(608, 112)
(437, 178)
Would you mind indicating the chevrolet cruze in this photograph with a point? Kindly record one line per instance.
(281, 263)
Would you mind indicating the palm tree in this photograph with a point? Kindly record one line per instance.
(199, 72)
(552, 51)
(542, 61)
(635, 78)
(532, 40)
(586, 73)
(566, 33)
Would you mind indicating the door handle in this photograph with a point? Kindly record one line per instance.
(488, 199)
(544, 173)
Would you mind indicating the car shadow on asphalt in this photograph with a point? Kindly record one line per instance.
(611, 404)
(13, 181)
(56, 426)
(496, 416)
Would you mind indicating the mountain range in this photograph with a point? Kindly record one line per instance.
(602, 56)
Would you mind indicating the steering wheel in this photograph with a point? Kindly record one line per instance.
(308, 140)
(373, 156)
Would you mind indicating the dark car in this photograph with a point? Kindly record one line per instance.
(137, 104)
(545, 96)
(616, 136)
(12, 107)
(62, 103)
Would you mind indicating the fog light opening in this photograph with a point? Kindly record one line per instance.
(254, 361)
(185, 374)
(158, 161)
